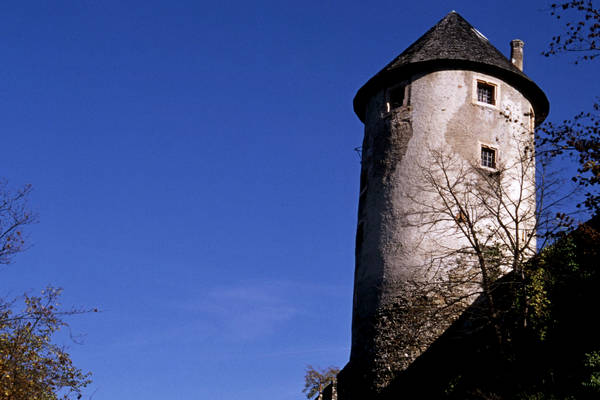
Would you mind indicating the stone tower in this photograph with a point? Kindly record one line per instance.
(450, 99)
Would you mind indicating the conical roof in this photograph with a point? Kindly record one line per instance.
(452, 43)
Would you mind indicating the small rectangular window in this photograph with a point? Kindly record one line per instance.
(486, 93)
(531, 120)
(488, 157)
(395, 97)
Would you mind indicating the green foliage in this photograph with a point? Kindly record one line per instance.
(543, 396)
(551, 347)
(452, 384)
(592, 364)
(554, 267)
(538, 302)
(493, 260)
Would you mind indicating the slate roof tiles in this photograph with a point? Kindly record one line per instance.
(453, 43)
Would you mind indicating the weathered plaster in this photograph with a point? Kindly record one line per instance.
(440, 112)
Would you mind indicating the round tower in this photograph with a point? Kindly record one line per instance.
(451, 103)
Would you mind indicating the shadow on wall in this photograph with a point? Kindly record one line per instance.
(554, 353)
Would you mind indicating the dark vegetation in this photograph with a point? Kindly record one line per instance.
(549, 320)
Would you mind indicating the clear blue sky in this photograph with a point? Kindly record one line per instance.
(195, 177)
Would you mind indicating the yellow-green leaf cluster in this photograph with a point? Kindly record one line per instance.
(32, 367)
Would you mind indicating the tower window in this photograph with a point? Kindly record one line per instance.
(488, 157)
(531, 120)
(486, 93)
(395, 97)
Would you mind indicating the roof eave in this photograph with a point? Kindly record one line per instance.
(387, 78)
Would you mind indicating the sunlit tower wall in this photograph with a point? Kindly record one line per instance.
(452, 91)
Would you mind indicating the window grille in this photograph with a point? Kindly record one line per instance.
(485, 93)
(488, 157)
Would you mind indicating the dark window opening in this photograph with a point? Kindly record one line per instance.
(486, 93)
(531, 120)
(488, 157)
(396, 97)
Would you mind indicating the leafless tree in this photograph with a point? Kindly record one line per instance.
(579, 136)
(480, 223)
(14, 215)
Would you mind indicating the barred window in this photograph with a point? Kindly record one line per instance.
(486, 93)
(488, 157)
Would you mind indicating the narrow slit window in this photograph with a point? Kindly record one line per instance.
(531, 120)
(488, 157)
(486, 93)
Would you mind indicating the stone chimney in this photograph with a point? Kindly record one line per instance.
(516, 53)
